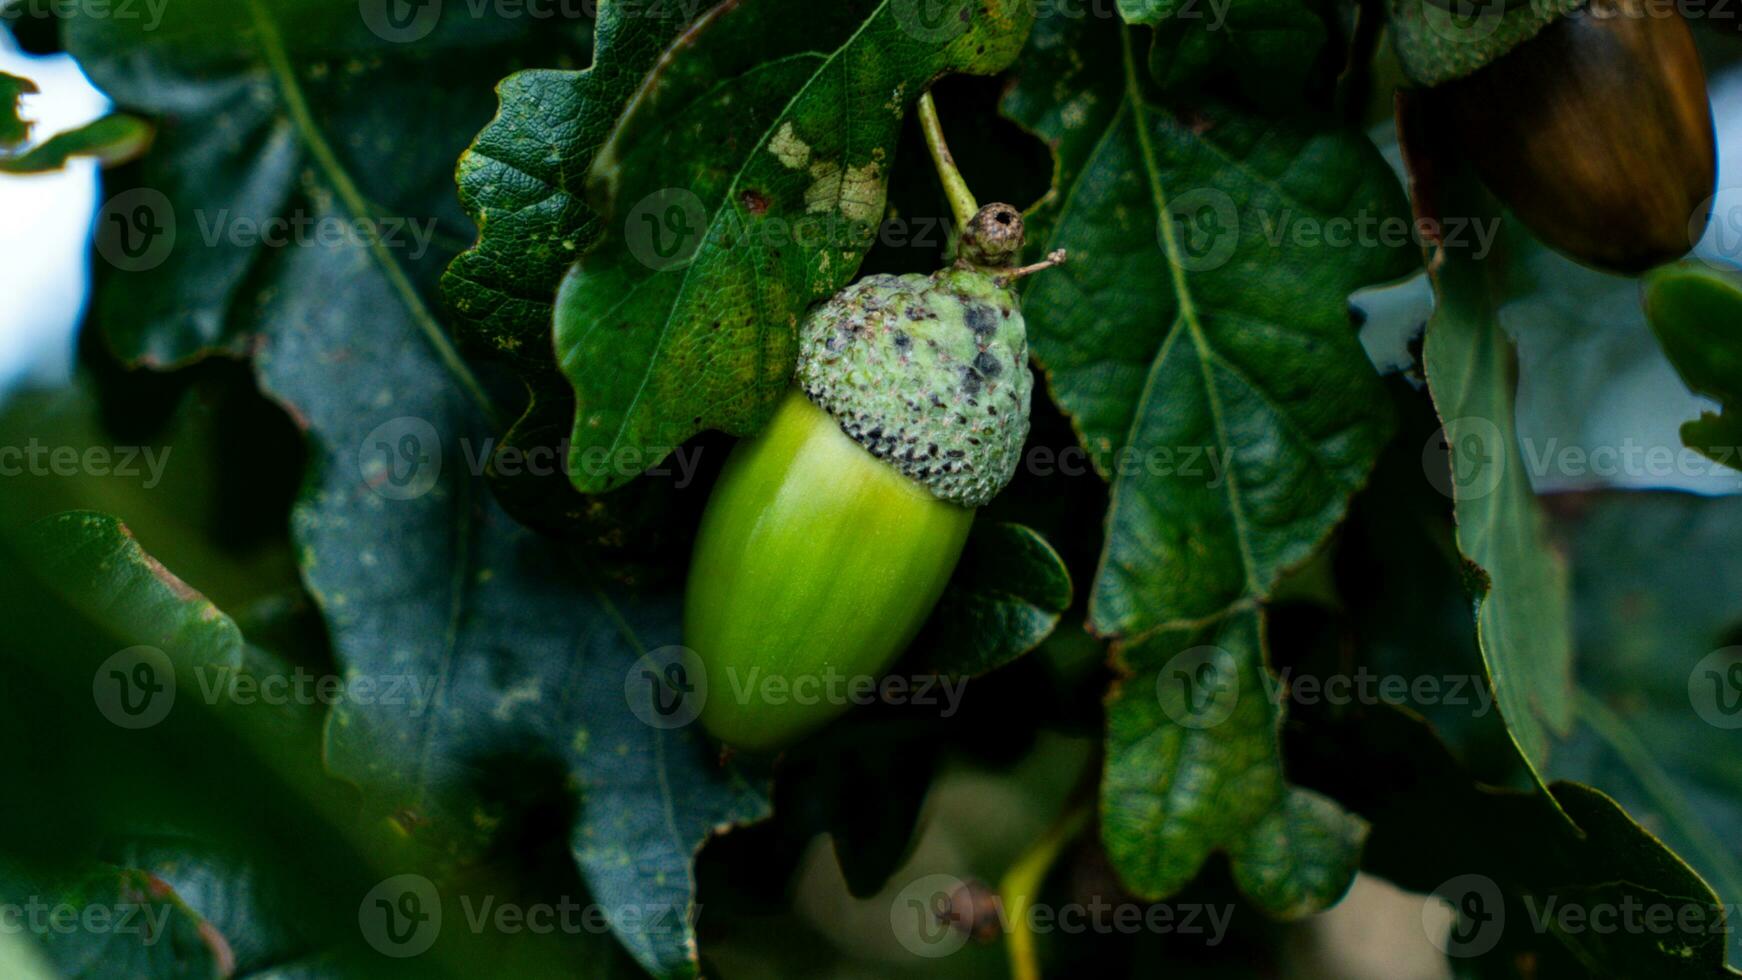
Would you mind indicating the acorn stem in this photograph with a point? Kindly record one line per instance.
(955, 188)
(1053, 258)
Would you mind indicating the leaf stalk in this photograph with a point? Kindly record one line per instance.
(961, 199)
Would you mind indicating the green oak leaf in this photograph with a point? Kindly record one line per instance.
(14, 129)
(1522, 619)
(523, 180)
(1194, 767)
(221, 778)
(1695, 314)
(421, 574)
(110, 140)
(1212, 374)
(1196, 40)
(1202, 347)
(507, 657)
(1657, 610)
(1543, 873)
(1005, 597)
(1301, 857)
(744, 186)
(267, 136)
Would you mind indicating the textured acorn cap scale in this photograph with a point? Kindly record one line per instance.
(930, 373)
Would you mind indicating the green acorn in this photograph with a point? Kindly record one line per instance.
(831, 533)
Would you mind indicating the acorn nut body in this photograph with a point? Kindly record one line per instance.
(1597, 133)
(832, 532)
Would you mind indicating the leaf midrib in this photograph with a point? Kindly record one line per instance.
(726, 198)
(277, 58)
(1187, 315)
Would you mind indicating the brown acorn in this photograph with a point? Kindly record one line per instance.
(1597, 133)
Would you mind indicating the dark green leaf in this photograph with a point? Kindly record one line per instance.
(746, 185)
(1659, 704)
(1193, 767)
(279, 121)
(1213, 375)
(1202, 347)
(1522, 618)
(14, 129)
(1697, 315)
(1005, 597)
(510, 665)
(1301, 857)
(1198, 39)
(523, 180)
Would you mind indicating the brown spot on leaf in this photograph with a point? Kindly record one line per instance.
(755, 202)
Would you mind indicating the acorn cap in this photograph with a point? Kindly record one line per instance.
(928, 373)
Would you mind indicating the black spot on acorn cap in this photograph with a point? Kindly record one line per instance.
(986, 364)
(979, 320)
